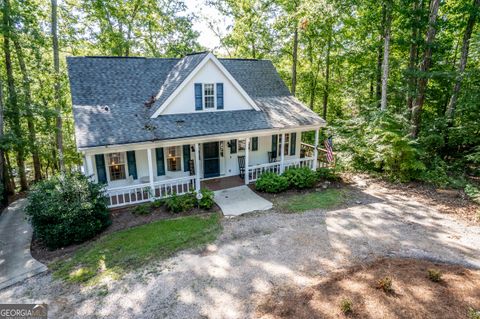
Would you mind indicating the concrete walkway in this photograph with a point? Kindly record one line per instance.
(240, 200)
(16, 262)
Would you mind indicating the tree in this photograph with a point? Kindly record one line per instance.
(3, 170)
(463, 60)
(422, 82)
(57, 89)
(12, 96)
(386, 53)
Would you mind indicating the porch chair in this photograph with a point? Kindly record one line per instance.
(191, 167)
(241, 166)
(272, 157)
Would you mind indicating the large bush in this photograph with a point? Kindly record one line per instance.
(177, 204)
(302, 177)
(67, 210)
(271, 183)
(207, 201)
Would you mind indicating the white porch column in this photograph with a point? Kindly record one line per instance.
(315, 150)
(150, 172)
(247, 153)
(89, 166)
(282, 155)
(197, 167)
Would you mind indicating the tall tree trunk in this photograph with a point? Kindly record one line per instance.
(3, 170)
(463, 61)
(423, 81)
(326, 87)
(12, 96)
(294, 59)
(412, 62)
(28, 107)
(57, 89)
(10, 179)
(380, 55)
(386, 54)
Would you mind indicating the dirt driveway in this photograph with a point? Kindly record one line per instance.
(259, 251)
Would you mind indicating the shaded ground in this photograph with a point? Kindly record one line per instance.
(414, 295)
(261, 251)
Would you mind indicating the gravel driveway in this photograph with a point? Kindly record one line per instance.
(256, 252)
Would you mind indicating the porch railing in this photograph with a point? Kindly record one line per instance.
(139, 193)
(307, 151)
(255, 171)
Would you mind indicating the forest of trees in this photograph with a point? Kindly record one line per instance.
(397, 80)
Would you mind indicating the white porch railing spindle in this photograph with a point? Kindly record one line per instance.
(256, 171)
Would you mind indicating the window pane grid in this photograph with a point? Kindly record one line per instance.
(174, 159)
(209, 95)
(116, 166)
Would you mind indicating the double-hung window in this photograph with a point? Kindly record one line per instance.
(174, 159)
(209, 95)
(116, 166)
(287, 144)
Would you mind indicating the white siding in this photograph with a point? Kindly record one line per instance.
(184, 102)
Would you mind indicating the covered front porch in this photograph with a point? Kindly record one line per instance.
(140, 173)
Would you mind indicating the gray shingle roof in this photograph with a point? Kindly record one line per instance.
(108, 96)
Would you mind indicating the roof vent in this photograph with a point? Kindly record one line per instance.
(106, 109)
(180, 123)
(148, 103)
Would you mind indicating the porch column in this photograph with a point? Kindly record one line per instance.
(315, 150)
(247, 153)
(197, 167)
(150, 172)
(282, 155)
(89, 166)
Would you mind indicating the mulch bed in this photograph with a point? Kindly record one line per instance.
(414, 295)
(122, 218)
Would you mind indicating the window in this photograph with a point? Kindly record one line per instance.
(174, 159)
(116, 166)
(287, 144)
(209, 95)
(254, 143)
(241, 145)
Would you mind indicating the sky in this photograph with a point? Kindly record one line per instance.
(205, 13)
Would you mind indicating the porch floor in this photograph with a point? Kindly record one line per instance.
(222, 183)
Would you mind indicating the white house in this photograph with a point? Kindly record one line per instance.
(151, 127)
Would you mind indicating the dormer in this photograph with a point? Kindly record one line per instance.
(208, 87)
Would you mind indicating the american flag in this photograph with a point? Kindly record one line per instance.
(329, 147)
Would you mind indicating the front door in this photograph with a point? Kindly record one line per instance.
(211, 160)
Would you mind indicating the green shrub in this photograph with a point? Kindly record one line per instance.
(473, 193)
(434, 275)
(271, 183)
(143, 209)
(177, 204)
(302, 177)
(157, 203)
(346, 306)
(473, 314)
(327, 174)
(207, 201)
(67, 210)
(385, 284)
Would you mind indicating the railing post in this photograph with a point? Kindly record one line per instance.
(315, 150)
(150, 173)
(247, 145)
(197, 168)
(282, 155)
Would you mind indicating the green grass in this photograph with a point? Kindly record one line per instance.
(112, 255)
(324, 199)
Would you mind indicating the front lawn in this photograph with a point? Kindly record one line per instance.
(114, 254)
(324, 199)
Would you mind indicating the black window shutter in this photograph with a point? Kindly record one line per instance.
(254, 143)
(132, 164)
(274, 144)
(186, 158)
(160, 162)
(220, 96)
(101, 171)
(198, 96)
(293, 142)
(233, 146)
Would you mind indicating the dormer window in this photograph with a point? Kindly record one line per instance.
(209, 95)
